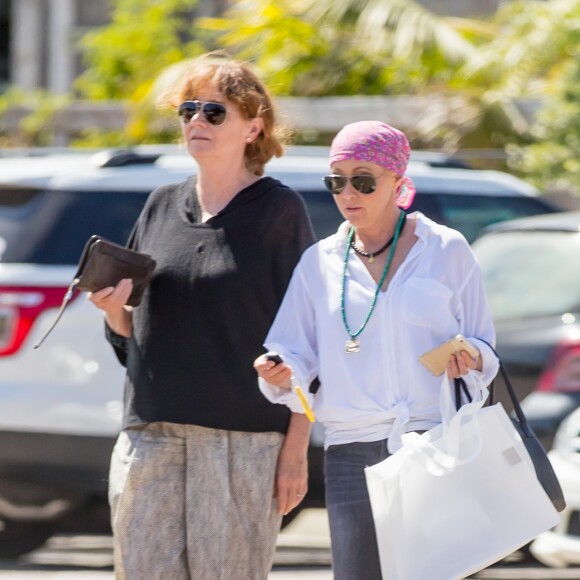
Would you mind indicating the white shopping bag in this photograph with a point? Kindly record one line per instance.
(457, 498)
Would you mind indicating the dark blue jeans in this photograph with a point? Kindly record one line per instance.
(352, 531)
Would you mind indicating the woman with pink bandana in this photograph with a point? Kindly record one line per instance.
(362, 306)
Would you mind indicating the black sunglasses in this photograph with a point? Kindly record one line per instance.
(363, 183)
(214, 113)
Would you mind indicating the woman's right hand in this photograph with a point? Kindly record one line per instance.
(277, 374)
(112, 302)
(461, 363)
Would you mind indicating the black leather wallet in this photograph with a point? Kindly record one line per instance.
(103, 264)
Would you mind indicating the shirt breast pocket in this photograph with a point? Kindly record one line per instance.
(427, 303)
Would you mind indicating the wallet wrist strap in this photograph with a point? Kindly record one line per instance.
(65, 302)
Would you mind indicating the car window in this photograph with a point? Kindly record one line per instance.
(470, 214)
(428, 205)
(51, 227)
(323, 212)
(530, 274)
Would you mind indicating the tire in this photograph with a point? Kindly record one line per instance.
(18, 538)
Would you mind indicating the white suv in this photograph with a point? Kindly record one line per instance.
(60, 405)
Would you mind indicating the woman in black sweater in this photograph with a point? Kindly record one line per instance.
(205, 466)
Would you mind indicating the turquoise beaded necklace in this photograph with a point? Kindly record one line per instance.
(352, 344)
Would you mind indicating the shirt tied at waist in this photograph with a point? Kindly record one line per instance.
(396, 418)
(401, 417)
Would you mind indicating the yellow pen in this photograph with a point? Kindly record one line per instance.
(276, 358)
(305, 404)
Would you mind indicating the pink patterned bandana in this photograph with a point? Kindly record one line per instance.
(379, 143)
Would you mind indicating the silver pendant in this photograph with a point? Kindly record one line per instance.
(352, 345)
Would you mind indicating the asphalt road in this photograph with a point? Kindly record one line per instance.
(302, 553)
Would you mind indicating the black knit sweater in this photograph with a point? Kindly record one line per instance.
(206, 313)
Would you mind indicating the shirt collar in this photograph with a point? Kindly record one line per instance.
(336, 242)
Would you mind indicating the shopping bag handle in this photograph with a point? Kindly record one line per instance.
(442, 461)
(461, 386)
(448, 461)
(462, 390)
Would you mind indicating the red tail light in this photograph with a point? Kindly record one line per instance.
(19, 308)
(562, 373)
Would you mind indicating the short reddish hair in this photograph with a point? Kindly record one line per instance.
(240, 85)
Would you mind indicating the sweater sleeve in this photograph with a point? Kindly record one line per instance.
(119, 343)
(291, 235)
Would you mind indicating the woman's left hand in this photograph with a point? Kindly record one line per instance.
(292, 468)
(291, 478)
(461, 363)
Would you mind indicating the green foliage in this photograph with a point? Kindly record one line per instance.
(472, 70)
(535, 55)
(36, 112)
(144, 37)
(554, 160)
(405, 28)
(125, 57)
(372, 47)
(271, 34)
(533, 41)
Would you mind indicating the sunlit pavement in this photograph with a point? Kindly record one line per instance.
(303, 553)
(307, 541)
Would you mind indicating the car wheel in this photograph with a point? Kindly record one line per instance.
(18, 538)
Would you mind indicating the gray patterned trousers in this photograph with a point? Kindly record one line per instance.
(192, 503)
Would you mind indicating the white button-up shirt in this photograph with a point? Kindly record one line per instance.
(383, 390)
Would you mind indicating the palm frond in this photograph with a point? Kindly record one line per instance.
(411, 26)
(535, 38)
